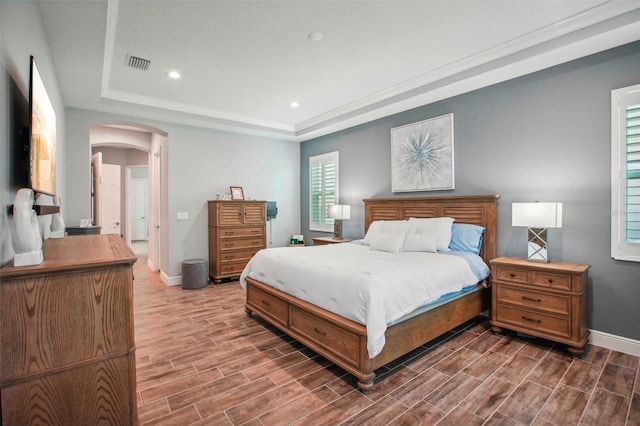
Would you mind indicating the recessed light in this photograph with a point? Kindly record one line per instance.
(174, 74)
(294, 104)
(315, 36)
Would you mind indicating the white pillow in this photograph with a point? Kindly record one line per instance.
(440, 227)
(420, 242)
(387, 226)
(388, 241)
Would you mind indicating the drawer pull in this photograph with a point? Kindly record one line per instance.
(531, 319)
(512, 275)
(550, 281)
(265, 303)
(531, 299)
(320, 332)
(255, 231)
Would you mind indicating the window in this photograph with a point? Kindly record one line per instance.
(625, 173)
(323, 190)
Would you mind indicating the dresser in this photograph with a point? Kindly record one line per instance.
(547, 300)
(67, 337)
(237, 230)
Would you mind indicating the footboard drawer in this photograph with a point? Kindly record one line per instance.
(334, 339)
(267, 304)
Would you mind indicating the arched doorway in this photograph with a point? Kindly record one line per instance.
(134, 146)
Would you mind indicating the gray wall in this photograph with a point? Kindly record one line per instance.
(544, 137)
(201, 164)
(22, 35)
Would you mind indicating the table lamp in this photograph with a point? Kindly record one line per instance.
(537, 217)
(339, 213)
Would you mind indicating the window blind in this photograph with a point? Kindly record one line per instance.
(633, 173)
(625, 173)
(323, 190)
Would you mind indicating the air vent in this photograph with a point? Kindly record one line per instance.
(138, 63)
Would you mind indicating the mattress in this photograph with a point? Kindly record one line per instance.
(372, 288)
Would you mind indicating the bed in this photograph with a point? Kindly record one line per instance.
(344, 341)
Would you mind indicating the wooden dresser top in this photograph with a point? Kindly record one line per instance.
(78, 252)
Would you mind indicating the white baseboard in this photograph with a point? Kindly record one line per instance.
(171, 280)
(151, 265)
(617, 343)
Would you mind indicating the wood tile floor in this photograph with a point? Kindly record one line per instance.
(202, 360)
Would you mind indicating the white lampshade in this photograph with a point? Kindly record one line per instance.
(339, 211)
(537, 215)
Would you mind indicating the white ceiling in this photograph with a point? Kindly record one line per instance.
(243, 62)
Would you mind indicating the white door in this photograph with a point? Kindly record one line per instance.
(138, 209)
(96, 162)
(110, 199)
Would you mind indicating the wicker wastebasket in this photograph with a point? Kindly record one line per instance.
(194, 274)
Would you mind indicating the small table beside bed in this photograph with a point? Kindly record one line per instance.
(420, 271)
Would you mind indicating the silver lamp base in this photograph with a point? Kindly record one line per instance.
(537, 245)
(337, 229)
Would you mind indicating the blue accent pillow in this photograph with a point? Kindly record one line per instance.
(466, 237)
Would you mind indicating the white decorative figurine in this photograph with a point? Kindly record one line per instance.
(27, 242)
(57, 223)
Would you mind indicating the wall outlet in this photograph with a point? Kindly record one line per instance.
(183, 215)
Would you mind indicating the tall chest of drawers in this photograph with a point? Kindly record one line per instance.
(547, 300)
(237, 230)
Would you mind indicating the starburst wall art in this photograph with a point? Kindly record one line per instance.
(422, 155)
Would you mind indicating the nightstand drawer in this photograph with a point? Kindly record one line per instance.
(512, 275)
(534, 321)
(534, 300)
(545, 279)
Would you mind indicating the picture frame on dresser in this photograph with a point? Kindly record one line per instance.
(236, 193)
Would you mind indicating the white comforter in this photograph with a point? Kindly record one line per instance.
(373, 288)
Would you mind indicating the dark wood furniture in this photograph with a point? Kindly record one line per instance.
(67, 353)
(344, 342)
(322, 241)
(547, 300)
(237, 230)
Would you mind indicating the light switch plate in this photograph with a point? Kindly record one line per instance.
(183, 215)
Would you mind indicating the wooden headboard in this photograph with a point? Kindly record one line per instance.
(475, 209)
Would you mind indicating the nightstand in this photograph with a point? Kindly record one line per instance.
(322, 241)
(547, 300)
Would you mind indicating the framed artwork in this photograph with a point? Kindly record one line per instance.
(236, 193)
(422, 156)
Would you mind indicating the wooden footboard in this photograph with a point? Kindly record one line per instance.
(344, 342)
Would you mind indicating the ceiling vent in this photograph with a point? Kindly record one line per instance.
(138, 63)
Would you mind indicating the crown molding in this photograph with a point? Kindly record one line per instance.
(602, 27)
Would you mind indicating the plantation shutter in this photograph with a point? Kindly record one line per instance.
(625, 173)
(633, 173)
(323, 190)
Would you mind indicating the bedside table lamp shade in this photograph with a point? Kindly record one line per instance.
(339, 213)
(537, 217)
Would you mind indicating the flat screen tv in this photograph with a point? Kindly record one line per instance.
(42, 136)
